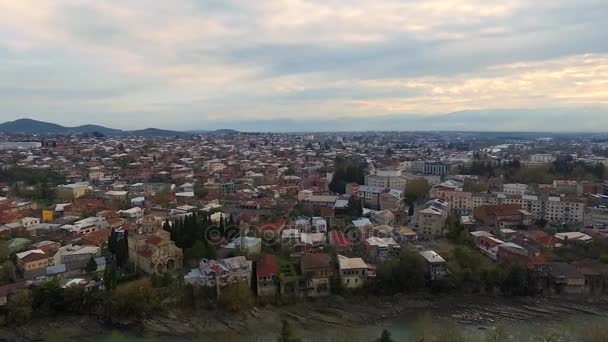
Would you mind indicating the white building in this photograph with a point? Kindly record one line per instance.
(391, 179)
(542, 158)
(353, 272)
(220, 274)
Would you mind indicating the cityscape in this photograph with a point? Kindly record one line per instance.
(304, 171)
(227, 220)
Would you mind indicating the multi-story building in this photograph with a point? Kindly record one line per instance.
(370, 196)
(437, 267)
(431, 219)
(391, 179)
(316, 273)
(354, 272)
(437, 168)
(76, 257)
(267, 272)
(220, 274)
(555, 209)
(515, 189)
(542, 158)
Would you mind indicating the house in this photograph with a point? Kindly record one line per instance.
(97, 238)
(49, 247)
(310, 240)
(566, 278)
(76, 257)
(133, 213)
(266, 273)
(362, 223)
(33, 263)
(245, 244)
(405, 234)
(73, 191)
(154, 253)
(27, 222)
(353, 272)
(437, 267)
(502, 215)
(319, 225)
(573, 237)
(380, 249)
(117, 196)
(302, 224)
(383, 217)
(316, 275)
(220, 274)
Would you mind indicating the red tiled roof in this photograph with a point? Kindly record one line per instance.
(546, 240)
(276, 226)
(267, 266)
(339, 238)
(315, 260)
(154, 240)
(34, 257)
(98, 237)
(538, 260)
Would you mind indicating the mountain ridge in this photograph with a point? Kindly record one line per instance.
(31, 126)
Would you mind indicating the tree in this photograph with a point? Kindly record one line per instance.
(19, 307)
(7, 272)
(135, 299)
(110, 277)
(385, 337)
(287, 334)
(404, 274)
(198, 251)
(416, 189)
(91, 265)
(236, 296)
(515, 282)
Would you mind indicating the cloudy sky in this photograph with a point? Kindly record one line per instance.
(188, 64)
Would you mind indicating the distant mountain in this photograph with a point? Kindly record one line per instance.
(155, 132)
(29, 126)
(592, 119)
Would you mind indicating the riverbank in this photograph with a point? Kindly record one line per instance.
(336, 318)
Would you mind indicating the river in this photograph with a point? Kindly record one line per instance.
(339, 319)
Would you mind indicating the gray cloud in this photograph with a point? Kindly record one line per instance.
(200, 61)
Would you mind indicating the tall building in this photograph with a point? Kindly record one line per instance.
(391, 179)
(431, 219)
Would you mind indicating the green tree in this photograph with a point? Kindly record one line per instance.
(404, 274)
(237, 296)
(515, 282)
(416, 189)
(4, 251)
(19, 307)
(385, 337)
(134, 299)
(7, 272)
(91, 265)
(287, 334)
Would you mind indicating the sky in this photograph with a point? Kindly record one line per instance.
(197, 64)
